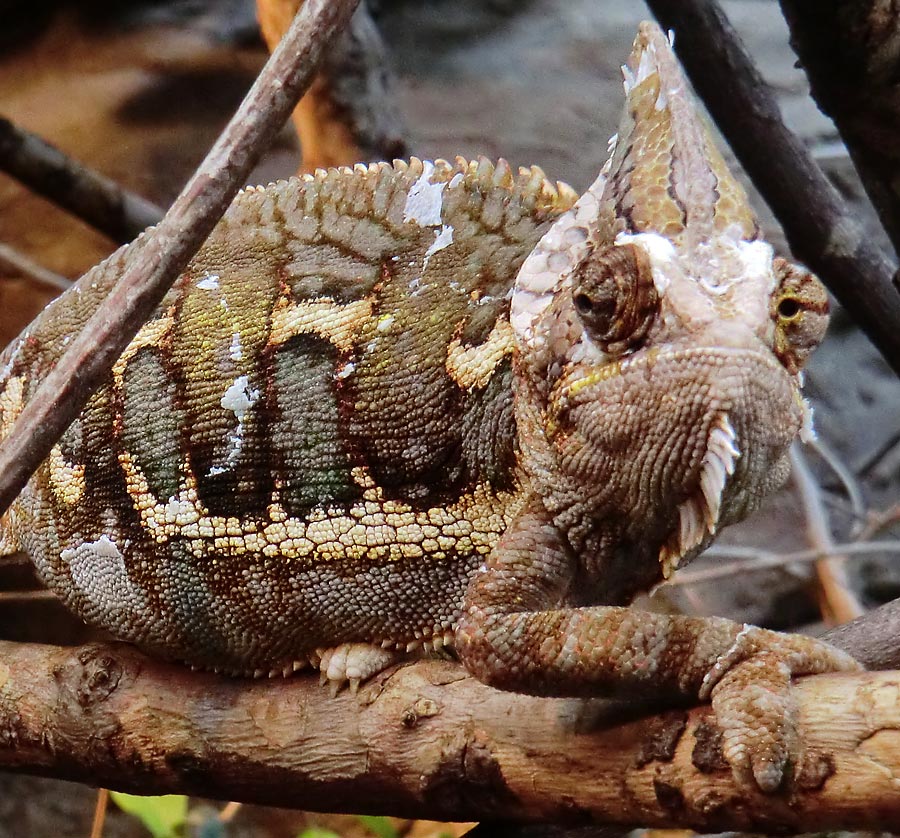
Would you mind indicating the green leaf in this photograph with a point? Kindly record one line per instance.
(163, 816)
(378, 826)
(318, 832)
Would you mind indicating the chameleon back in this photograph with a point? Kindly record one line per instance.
(316, 424)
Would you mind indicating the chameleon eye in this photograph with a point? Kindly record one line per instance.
(800, 312)
(615, 298)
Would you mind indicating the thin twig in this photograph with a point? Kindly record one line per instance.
(156, 260)
(836, 597)
(753, 559)
(229, 810)
(100, 813)
(18, 264)
(90, 196)
(879, 521)
(6, 597)
(819, 227)
(848, 480)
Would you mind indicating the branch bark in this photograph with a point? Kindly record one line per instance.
(426, 740)
(156, 259)
(819, 228)
(87, 194)
(850, 52)
(873, 638)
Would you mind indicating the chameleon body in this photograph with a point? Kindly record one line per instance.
(408, 406)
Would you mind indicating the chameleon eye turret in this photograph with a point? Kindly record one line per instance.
(799, 309)
(615, 298)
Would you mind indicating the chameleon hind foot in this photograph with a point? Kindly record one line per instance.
(353, 663)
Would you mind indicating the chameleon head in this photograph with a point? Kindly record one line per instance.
(654, 325)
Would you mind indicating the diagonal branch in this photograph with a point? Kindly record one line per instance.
(819, 227)
(92, 197)
(850, 51)
(157, 258)
(426, 740)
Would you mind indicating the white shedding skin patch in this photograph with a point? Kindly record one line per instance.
(238, 398)
(345, 371)
(647, 66)
(807, 428)
(425, 199)
(7, 369)
(234, 351)
(209, 283)
(98, 571)
(757, 257)
(441, 240)
(661, 252)
(548, 268)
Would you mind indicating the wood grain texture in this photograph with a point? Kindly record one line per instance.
(427, 740)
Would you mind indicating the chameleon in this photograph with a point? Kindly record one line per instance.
(428, 405)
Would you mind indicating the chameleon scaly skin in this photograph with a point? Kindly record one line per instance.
(393, 408)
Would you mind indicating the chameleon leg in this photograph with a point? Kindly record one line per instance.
(517, 634)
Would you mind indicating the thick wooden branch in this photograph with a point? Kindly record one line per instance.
(873, 639)
(155, 260)
(850, 52)
(426, 740)
(819, 227)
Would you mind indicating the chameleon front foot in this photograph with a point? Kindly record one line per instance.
(353, 663)
(757, 712)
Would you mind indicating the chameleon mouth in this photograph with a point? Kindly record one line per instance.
(698, 516)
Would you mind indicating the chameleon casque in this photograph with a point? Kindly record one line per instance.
(402, 407)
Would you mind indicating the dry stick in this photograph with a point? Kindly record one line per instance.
(157, 259)
(100, 810)
(819, 228)
(90, 196)
(427, 740)
(753, 559)
(18, 264)
(839, 603)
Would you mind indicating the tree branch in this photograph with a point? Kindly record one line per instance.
(819, 228)
(850, 53)
(87, 194)
(155, 260)
(426, 740)
(872, 638)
